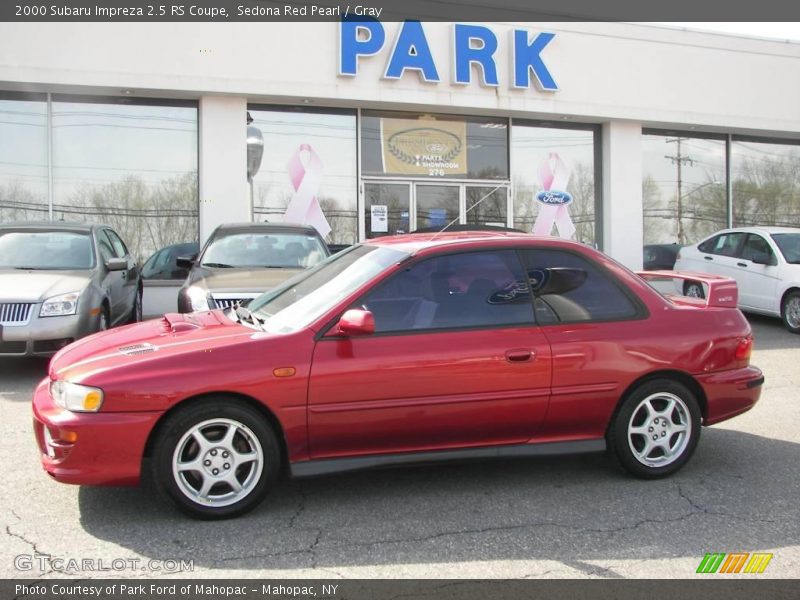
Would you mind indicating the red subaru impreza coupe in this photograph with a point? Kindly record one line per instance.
(405, 349)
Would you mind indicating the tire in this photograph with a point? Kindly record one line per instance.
(790, 311)
(694, 289)
(105, 319)
(203, 481)
(136, 310)
(642, 418)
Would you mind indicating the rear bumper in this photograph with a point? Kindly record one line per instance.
(730, 393)
(108, 449)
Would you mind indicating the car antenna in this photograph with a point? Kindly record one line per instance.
(442, 230)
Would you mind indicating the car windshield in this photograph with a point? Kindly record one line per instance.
(789, 244)
(46, 250)
(259, 249)
(309, 295)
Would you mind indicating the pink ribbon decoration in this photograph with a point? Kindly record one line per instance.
(554, 176)
(305, 173)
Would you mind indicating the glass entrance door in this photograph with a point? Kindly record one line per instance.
(392, 207)
(486, 205)
(387, 208)
(437, 205)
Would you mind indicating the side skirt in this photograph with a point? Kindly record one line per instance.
(327, 466)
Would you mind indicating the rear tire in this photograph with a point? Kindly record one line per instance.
(694, 289)
(215, 458)
(656, 429)
(790, 311)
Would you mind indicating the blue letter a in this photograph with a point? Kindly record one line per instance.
(411, 51)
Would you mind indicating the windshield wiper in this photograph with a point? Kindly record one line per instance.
(214, 265)
(35, 268)
(245, 314)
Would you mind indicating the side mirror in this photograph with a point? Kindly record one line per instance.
(761, 258)
(117, 264)
(356, 322)
(185, 262)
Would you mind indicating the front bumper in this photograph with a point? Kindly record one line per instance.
(730, 393)
(107, 447)
(44, 336)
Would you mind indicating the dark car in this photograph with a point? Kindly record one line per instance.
(60, 282)
(163, 278)
(658, 257)
(241, 261)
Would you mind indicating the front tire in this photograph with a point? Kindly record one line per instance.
(656, 429)
(790, 311)
(136, 310)
(215, 459)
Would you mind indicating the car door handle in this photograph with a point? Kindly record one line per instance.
(519, 355)
(708, 258)
(742, 264)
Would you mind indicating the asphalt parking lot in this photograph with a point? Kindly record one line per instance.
(565, 517)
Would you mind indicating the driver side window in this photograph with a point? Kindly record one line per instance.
(473, 289)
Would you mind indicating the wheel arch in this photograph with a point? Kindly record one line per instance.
(679, 376)
(786, 292)
(259, 407)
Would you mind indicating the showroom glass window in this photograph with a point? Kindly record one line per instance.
(128, 163)
(23, 157)
(684, 190)
(544, 158)
(317, 147)
(766, 183)
(433, 146)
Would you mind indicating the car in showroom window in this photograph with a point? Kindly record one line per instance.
(413, 348)
(60, 282)
(241, 261)
(764, 261)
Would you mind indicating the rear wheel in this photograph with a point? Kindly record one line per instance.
(656, 429)
(693, 289)
(790, 311)
(215, 459)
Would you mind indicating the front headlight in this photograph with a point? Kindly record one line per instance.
(198, 298)
(60, 306)
(76, 397)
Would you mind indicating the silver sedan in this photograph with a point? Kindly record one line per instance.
(60, 282)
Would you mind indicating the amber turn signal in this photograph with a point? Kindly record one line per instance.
(284, 372)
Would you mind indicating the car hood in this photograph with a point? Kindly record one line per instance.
(35, 286)
(171, 337)
(240, 280)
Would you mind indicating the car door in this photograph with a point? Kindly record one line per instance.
(720, 255)
(455, 361)
(759, 281)
(112, 281)
(130, 279)
(596, 329)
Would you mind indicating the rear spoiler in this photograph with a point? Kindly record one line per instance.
(720, 291)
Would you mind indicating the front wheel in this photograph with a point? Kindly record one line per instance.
(136, 309)
(656, 429)
(216, 459)
(790, 311)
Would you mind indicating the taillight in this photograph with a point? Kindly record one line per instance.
(744, 348)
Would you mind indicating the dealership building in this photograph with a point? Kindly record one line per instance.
(614, 134)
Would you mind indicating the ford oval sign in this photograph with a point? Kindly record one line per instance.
(554, 198)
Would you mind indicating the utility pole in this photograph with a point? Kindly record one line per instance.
(678, 159)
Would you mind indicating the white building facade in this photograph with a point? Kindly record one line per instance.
(618, 135)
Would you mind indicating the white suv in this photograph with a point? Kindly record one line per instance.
(764, 261)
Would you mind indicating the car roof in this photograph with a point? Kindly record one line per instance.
(267, 227)
(51, 226)
(763, 229)
(413, 243)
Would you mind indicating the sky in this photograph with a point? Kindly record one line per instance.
(781, 31)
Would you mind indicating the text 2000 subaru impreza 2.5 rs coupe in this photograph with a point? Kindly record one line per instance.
(412, 348)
